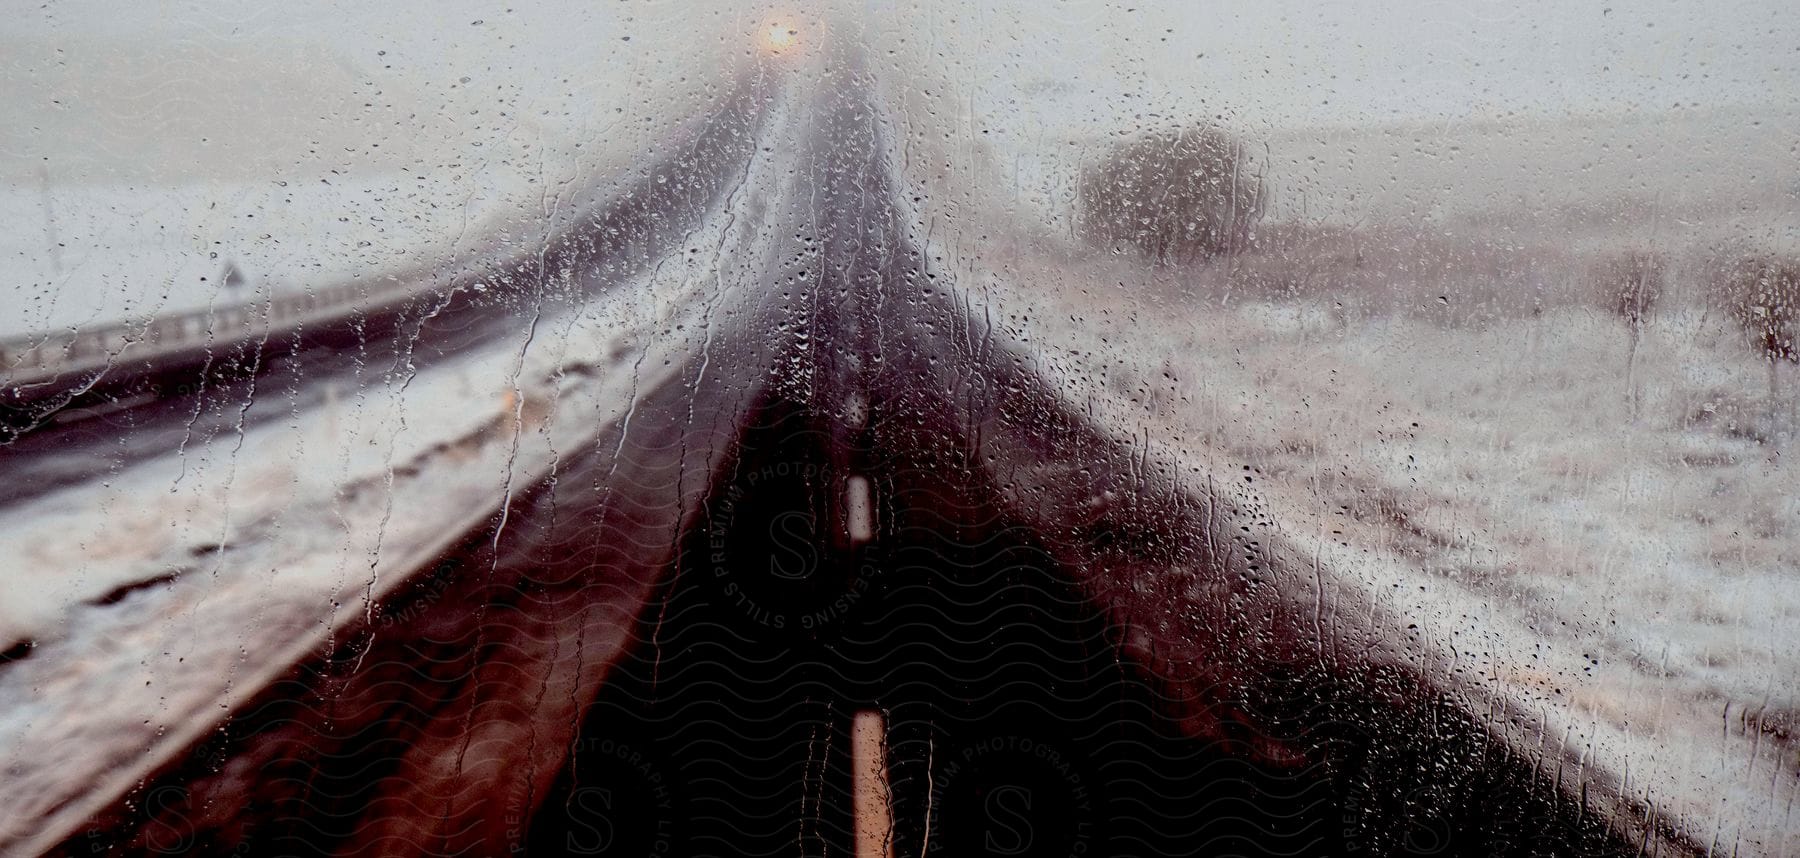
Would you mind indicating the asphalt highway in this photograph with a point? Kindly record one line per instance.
(850, 495)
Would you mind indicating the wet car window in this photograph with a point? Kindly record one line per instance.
(882, 428)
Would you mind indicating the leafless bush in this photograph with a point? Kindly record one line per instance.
(1632, 283)
(1173, 196)
(1761, 292)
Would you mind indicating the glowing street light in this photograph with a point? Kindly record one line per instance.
(779, 37)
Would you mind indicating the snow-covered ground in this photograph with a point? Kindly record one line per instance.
(1627, 579)
(1508, 461)
(133, 251)
(1598, 552)
(278, 534)
(158, 578)
(146, 150)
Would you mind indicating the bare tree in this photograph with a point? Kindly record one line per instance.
(1633, 283)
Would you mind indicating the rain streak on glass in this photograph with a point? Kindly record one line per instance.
(890, 428)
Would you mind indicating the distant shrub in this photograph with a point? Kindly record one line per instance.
(1173, 196)
(1761, 292)
(1633, 283)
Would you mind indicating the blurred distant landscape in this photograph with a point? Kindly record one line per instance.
(1501, 326)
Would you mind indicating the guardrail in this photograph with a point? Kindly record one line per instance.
(44, 358)
(48, 370)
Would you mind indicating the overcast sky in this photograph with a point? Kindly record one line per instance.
(209, 87)
(1279, 60)
(1296, 62)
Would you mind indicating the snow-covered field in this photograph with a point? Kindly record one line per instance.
(132, 251)
(1432, 404)
(146, 151)
(1420, 384)
(1508, 459)
(1625, 571)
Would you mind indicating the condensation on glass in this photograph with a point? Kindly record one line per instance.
(894, 428)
